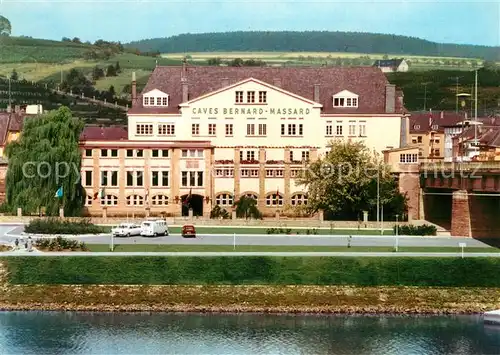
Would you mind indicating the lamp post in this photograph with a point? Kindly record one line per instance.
(378, 194)
(397, 240)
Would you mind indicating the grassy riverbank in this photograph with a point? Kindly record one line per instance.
(31, 283)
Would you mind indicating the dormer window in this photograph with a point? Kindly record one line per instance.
(345, 99)
(155, 98)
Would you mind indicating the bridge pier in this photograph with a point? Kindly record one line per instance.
(460, 214)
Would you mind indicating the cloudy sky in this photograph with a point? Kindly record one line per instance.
(473, 22)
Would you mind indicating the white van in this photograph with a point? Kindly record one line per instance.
(154, 228)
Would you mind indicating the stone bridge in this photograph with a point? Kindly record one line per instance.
(462, 197)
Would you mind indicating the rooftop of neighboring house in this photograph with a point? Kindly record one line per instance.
(101, 133)
(10, 122)
(424, 122)
(486, 135)
(388, 63)
(369, 83)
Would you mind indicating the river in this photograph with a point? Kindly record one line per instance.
(162, 333)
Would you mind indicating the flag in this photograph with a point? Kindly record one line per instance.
(146, 197)
(430, 118)
(100, 193)
(59, 192)
(277, 195)
(188, 198)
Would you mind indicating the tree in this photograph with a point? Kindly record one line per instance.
(76, 40)
(111, 71)
(45, 158)
(214, 61)
(5, 26)
(14, 75)
(117, 67)
(112, 91)
(97, 73)
(246, 207)
(344, 182)
(236, 62)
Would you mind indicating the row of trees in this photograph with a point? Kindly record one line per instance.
(237, 62)
(342, 183)
(111, 70)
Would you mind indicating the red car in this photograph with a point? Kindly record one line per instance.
(188, 231)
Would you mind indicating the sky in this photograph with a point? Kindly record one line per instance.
(448, 21)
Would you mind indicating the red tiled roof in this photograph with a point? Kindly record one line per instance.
(96, 133)
(419, 122)
(367, 82)
(10, 122)
(487, 135)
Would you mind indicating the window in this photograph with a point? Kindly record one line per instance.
(104, 178)
(224, 200)
(139, 153)
(291, 155)
(109, 200)
(135, 178)
(239, 97)
(249, 173)
(155, 101)
(88, 178)
(250, 129)
(224, 172)
(408, 158)
(192, 178)
(144, 129)
(88, 152)
(130, 152)
(166, 130)
(299, 199)
(436, 152)
(114, 178)
(328, 128)
(305, 155)
(417, 126)
(338, 102)
(352, 128)
(159, 178)
(262, 129)
(104, 153)
(229, 129)
(282, 129)
(155, 153)
(250, 155)
(251, 196)
(250, 97)
(362, 128)
(192, 153)
(159, 200)
(295, 173)
(301, 129)
(338, 128)
(211, 129)
(274, 200)
(135, 200)
(195, 129)
(263, 97)
(435, 127)
(114, 152)
(88, 200)
(345, 101)
(292, 130)
(419, 139)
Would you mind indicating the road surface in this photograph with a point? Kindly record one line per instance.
(10, 233)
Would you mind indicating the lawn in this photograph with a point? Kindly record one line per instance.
(124, 78)
(274, 248)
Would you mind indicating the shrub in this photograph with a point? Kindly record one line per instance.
(424, 229)
(59, 244)
(57, 226)
(218, 212)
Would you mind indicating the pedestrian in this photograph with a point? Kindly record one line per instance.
(29, 244)
(16, 242)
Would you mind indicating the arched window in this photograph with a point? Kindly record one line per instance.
(88, 201)
(274, 200)
(299, 199)
(254, 196)
(109, 200)
(159, 200)
(224, 199)
(135, 200)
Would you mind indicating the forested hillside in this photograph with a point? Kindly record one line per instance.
(312, 41)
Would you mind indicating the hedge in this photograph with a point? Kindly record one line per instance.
(423, 230)
(241, 270)
(57, 226)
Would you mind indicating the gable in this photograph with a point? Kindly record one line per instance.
(345, 93)
(155, 93)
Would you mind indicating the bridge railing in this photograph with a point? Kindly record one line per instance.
(472, 166)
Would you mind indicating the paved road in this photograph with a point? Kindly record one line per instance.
(9, 234)
(349, 254)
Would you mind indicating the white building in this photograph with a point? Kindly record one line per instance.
(217, 133)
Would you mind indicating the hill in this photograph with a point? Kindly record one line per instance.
(312, 41)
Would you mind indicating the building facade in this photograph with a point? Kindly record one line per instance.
(392, 65)
(213, 134)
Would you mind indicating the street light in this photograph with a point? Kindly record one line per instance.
(397, 240)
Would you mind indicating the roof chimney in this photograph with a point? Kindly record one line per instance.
(277, 82)
(316, 93)
(442, 115)
(17, 109)
(225, 82)
(390, 98)
(9, 108)
(134, 89)
(185, 91)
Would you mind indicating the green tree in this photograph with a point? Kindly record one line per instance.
(246, 207)
(97, 73)
(344, 183)
(45, 158)
(112, 91)
(5, 26)
(117, 67)
(214, 61)
(14, 75)
(111, 71)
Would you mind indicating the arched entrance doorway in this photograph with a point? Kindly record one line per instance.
(195, 202)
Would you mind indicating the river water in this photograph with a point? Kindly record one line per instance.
(162, 333)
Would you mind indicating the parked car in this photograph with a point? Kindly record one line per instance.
(154, 228)
(188, 231)
(126, 230)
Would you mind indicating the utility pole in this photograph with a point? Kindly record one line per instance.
(456, 78)
(475, 108)
(10, 94)
(425, 95)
